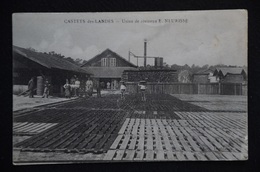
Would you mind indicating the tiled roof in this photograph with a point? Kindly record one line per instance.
(107, 72)
(48, 61)
(230, 70)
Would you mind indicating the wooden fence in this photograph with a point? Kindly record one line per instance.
(191, 88)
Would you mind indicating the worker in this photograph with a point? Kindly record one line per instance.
(31, 87)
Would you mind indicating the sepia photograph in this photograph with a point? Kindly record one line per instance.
(130, 87)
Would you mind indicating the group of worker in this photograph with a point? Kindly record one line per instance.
(75, 88)
(46, 88)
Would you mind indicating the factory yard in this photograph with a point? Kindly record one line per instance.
(164, 128)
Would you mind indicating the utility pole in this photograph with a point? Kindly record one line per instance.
(129, 55)
(145, 46)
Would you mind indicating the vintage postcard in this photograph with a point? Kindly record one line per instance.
(130, 86)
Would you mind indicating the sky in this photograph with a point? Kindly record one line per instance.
(191, 37)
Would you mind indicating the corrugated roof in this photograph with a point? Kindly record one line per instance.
(105, 53)
(49, 61)
(107, 72)
(231, 70)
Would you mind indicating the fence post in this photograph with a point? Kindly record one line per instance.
(219, 88)
(241, 89)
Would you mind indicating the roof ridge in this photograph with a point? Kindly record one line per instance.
(107, 49)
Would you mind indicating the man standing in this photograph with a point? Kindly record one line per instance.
(31, 87)
(108, 85)
(46, 91)
(98, 85)
(89, 87)
(77, 85)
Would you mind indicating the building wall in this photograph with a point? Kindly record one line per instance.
(97, 61)
(233, 79)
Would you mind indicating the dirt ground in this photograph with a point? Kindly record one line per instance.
(216, 102)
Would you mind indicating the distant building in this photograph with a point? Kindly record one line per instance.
(206, 76)
(108, 66)
(28, 63)
(231, 74)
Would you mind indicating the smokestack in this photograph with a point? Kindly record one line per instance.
(145, 44)
(129, 56)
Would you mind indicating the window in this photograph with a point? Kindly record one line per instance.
(112, 61)
(104, 62)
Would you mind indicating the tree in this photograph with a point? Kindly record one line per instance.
(184, 76)
(32, 49)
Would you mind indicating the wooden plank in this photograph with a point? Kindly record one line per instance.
(239, 156)
(149, 142)
(190, 156)
(123, 128)
(139, 155)
(140, 143)
(109, 155)
(184, 143)
(163, 131)
(155, 130)
(183, 123)
(20, 124)
(184, 131)
(170, 155)
(134, 131)
(147, 122)
(119, 154)
(129, 155)
(219, 155)
(116, 142)
(180, 156)
(125, 142)
(167, 143)
(132, 143)
(129, 127)
(142, 127)
(26, 126)
(229, 156)
(158, 143)
(176, 144)
(200, 156)
(211, 156)
(32, 128)
(193, 144)
(148, 130)
(46, 127)
(159, 155)
(209, 145)
(149, 155)
(176, 130)
(170, 131)
(176, 123)
(39, 127)
(159, 122)
(213, 141)
(165, 122)
(153, 121)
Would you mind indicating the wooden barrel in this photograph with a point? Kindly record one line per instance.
(40, 86)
